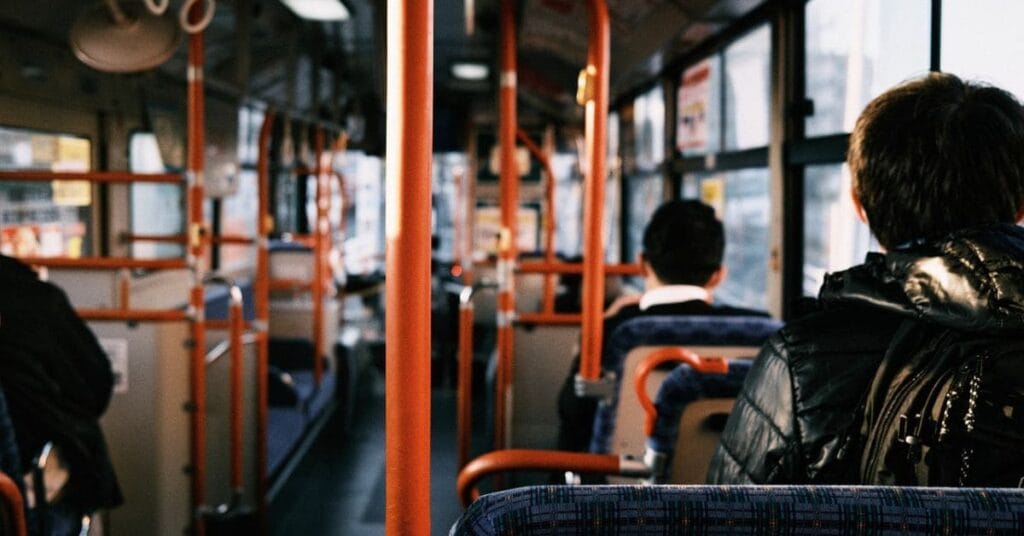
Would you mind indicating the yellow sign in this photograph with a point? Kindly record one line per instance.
(712, 192)
(73, 154)
(72, 193)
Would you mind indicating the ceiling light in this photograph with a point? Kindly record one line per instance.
(318, 9)
(470, 71)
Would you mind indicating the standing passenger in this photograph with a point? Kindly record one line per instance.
(682, 263)
(938, 175)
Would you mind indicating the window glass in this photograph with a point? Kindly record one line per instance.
(44, 218)
(568, 205)
(856, 49)
(699, 108)
(741, 200)
(446, 166)
(834, 237)
(649, 129)
(364, 231)
(645, 196)
(981, 41)
(748, 89)
(156, 209)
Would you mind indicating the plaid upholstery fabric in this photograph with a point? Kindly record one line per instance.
(682, 386)
(782, 510)
(667, 331)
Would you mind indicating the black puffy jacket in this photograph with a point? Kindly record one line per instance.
(797, 419)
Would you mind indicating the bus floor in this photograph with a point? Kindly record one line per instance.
(338, 488)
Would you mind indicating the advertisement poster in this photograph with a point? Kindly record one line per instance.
(694, 98)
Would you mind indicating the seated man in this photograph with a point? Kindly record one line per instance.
(938, 175)
(682, 263)
(58, 382)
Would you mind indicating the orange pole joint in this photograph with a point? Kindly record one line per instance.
(503, 461)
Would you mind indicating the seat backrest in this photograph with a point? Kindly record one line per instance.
(744, 510)
(691, 413)
(627, 436)
(694, 332)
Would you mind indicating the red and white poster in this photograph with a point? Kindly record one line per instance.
(693, 100)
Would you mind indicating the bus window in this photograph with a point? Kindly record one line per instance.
(850, 57)
(748, 87)
(41, 218)
(156, 209)
(568, 205)
(741, 200)
(980, 41)
(834, 237)
(644, 184)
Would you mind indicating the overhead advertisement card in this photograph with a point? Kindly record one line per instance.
(694, 100)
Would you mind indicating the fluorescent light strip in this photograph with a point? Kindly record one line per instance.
(325, 10)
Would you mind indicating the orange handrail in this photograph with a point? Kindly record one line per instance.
(196, 164)
(15, 504)
(320, 250)
(596, 97)
(501, 461)
(548, 295)
(509, 187)
(675, 354)
(91, 176)
(261, 299)
(133, 315)
(182, 239)
(549, 319)
(105, 263)
(407, 382)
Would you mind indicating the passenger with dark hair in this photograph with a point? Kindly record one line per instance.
(683, 245)
(58, 382)
(908, 360)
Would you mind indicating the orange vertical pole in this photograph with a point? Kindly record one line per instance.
(319, 254)
(465, 378)
(261, 296)
(197, 237)
(407, 382)
(593, 209)
(237, 326)
(509, 182)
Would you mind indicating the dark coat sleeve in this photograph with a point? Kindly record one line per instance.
(761, 441)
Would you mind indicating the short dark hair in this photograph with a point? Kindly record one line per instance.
(684, 242)
(935, 155)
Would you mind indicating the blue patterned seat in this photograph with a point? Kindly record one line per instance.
(790, 510)
(669, 331)
(682, 386)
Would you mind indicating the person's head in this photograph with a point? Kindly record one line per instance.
(935, 155)
(683, 244)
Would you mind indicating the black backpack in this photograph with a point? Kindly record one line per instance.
(946, 408)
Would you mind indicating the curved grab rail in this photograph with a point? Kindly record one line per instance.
(157, 7)
(675, 354)
(464, 413)
(236, 324)
(202, 20)
(15, 504)
(502, 461)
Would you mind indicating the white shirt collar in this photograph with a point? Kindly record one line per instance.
(673, 294)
